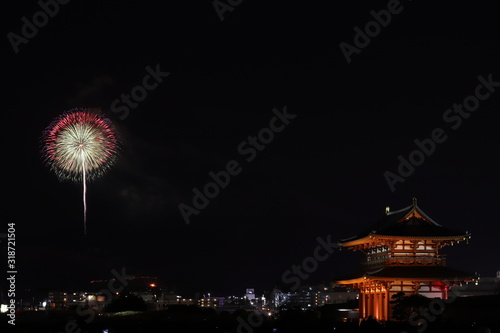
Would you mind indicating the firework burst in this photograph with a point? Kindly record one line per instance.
(80, 145)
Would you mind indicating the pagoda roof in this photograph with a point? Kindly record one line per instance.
(409, 222)
(414, 273)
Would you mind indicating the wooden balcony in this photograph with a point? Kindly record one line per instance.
(392, 260)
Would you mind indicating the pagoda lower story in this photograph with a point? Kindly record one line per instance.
(377, 288)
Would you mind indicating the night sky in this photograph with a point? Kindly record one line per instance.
(322, 175)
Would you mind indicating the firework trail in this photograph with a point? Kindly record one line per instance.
(84, 199)
(79, 146)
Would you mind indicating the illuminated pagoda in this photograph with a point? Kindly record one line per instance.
(402, 255)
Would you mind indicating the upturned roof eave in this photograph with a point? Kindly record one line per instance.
(373, 236)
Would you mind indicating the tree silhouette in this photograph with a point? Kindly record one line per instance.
(126, 302)
(404, 306)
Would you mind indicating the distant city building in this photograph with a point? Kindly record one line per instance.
(482, 287)
(339, 295)
(211, 302)
(309, 297)
(60, 300)
(250, 294)
(168, 298)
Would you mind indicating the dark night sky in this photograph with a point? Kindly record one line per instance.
(323, 175)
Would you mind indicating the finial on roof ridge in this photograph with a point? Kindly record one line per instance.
(414, 201)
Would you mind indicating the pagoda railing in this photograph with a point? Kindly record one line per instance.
(436, 260)
(418, 260)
